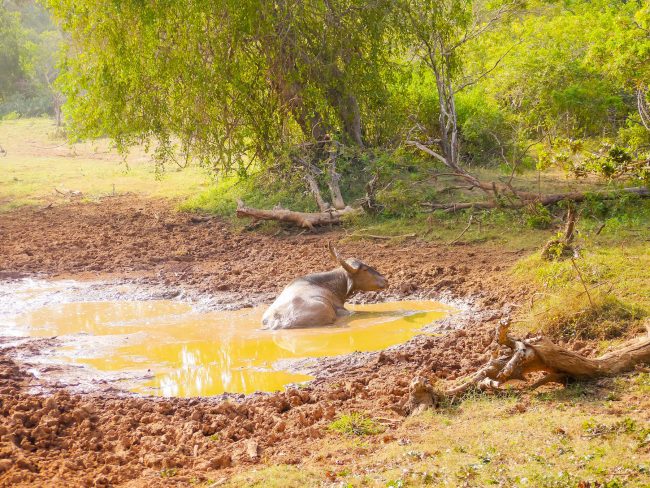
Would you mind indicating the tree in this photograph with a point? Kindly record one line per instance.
(238, 83)
(440, 32)
(43, 68)
(11, 51)
(625, 53)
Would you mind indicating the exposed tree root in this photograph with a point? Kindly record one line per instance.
(307, 220)
(514, 359)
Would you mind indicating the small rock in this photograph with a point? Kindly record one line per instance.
(24, 463)
(252, 449)
(5, 465)
(220, 461)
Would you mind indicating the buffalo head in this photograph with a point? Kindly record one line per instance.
(364, 277)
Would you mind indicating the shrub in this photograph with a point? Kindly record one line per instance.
(538, 217)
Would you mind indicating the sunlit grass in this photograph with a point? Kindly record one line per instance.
(39, 162)
(616, 274)
(355, 423)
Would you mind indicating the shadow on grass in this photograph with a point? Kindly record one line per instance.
(582, 392)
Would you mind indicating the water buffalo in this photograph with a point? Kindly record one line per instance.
(317, 299)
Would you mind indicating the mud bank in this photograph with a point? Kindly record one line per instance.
(145, 240)
(104, 439)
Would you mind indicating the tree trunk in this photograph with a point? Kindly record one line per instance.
(333, 182)
(350, 115)
(323, 206)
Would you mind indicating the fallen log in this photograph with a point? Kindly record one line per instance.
(307, 220)
(528, 356)
(527, 198)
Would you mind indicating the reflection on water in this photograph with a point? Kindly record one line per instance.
(201, 354)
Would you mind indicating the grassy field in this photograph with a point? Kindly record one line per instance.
(40, 167)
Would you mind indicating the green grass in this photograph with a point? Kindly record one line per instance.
(39, 162)
(355, 423)
(221, 198)
(616, 273)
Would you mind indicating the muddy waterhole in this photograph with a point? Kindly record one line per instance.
(171, 348)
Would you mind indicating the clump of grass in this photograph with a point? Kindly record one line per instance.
(355, 423)
(600, 316)
(168, 472)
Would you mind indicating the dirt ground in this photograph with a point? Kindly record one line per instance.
(106, 439)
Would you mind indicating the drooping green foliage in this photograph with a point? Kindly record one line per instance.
(267, 85)
(237, 82)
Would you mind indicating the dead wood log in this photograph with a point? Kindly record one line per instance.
(307, 220)
(534, 355)
(527, 198)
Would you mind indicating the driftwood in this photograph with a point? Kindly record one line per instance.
(514, 359)
(307, 220)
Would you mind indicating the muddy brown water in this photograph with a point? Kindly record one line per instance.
(169, 348)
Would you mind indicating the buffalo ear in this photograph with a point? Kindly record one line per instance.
(342, 262)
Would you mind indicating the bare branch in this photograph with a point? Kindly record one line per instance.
(469, 223)
(429, 151)
(488, 71)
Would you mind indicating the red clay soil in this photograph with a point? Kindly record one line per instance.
(61, 439)
(128, 236)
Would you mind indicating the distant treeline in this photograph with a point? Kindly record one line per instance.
(29, 50)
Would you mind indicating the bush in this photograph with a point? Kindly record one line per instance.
(21, 105)
(10, 116)
(538, 217)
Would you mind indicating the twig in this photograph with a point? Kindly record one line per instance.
(469, 223)
(51, 147)
(573, 261)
